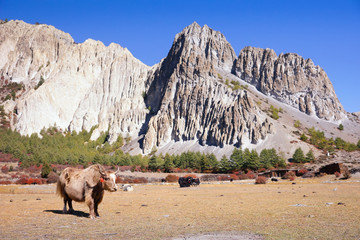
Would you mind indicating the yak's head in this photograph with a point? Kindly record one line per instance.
(108, 179)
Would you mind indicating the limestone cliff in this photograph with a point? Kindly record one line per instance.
(190, 102)
(290, 79)
(84, 85)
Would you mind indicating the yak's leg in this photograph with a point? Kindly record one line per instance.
(98, 200)
(71, 210)
(90, 202)
(96, 209)
(64, 209)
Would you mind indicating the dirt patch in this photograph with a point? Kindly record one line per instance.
(222, 236)
(318, 208)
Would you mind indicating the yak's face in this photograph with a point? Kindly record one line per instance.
(109, 182)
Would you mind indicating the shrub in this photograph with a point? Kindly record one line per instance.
(33, 181)
(341, 127)
(337, 174)
(5, 182)
(250, 175)
(171, 178)
(223, 177)
(139, 180)
(22, 180)
(303, 137)
(297, 124)
(288, 175)
(302, 172)
(234, 177)
(260, 180)
(4, 169)
(274, 112)
(242, 176)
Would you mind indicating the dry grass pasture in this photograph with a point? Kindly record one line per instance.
(321, 208)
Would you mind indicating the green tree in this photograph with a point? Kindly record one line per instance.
(213, 162)
(254, 160)
(265, 159)
(224, 164)
(341, 127)
(237, 158)
(45, 170)
(339, 143)
(168, 163)
(310, 156)
(298, 156)
(303, 137)
(246, 160)
(154, 163)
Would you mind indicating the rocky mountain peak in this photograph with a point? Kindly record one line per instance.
(290, 79)
(190, 104)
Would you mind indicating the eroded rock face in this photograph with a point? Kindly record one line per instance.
(290, 79)
(184, 97)
(84, 85)
(189, 101)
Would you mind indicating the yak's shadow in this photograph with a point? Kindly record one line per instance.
(76, 213)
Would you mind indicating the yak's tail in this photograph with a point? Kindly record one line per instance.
(59, 189)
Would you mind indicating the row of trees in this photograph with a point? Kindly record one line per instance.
(55, 147)
(243, 160)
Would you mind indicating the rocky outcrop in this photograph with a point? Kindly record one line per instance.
(189, 101)
(290, 79)
(84, 84)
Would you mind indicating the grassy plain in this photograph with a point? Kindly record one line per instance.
(321, 208)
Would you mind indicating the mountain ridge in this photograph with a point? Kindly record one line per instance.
(197, 93)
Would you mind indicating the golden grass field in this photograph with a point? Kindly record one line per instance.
(309, 209)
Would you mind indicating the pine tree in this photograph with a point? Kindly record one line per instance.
(236, 158)
(168, 163)
(45, 170)
(224, 164)
(298, 156)
(153, 163)
(310, 156)
(303, 137)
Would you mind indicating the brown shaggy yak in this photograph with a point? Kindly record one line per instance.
(85, 185)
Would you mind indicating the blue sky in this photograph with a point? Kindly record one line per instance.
(328, 32)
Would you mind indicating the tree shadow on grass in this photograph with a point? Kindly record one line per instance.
(75, 213)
